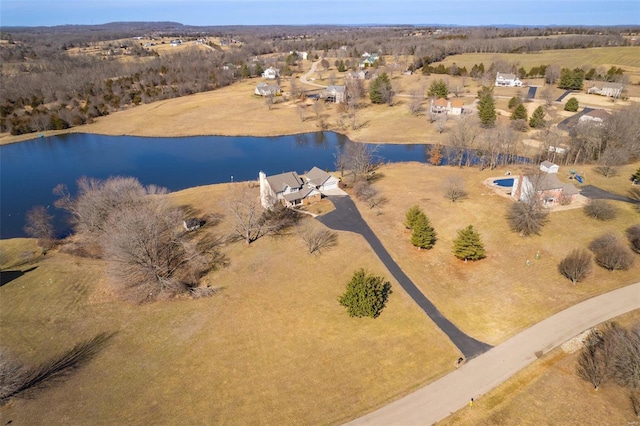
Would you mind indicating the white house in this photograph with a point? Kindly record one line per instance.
(337, 94)
(597, 116)
(359, 75)
(613, 90)
(321, 180)
(443, 106)
(369, 60)
(549, 167)
(545, 186)
(264, 89)
(271, 73)
(175, 43)
(508, 80)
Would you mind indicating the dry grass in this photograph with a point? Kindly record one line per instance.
(274, 347)
(468, 293)
(550, 392)
(627, 57)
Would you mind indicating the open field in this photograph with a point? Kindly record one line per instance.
(550, 392)
(275, 346)
(236, 111)
(466, 293)
(627, 57)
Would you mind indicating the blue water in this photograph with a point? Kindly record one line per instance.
(507, 183)
(30, 170)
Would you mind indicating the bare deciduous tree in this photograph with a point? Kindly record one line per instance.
(318, 240)
(462, 138)
(527, 218)
(633, 235)
(592, 362)
(576, 265)
(610, 253)
(39, 226)
(358, 158)
(454, 188)
(600, 209)
(16, 379)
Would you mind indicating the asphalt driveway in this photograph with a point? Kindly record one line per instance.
(346, 217)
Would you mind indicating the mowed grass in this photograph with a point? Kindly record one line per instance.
(273, 347)
(496, 297)
(550, 392)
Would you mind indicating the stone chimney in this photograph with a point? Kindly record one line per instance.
(518, 192)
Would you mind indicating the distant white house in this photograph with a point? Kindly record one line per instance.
(271, 73)
(359, 75)
(264, 89)
(613, 90)
(175, 42)
(369, 60)
(549, 167)
(508, 80)
(336, 94)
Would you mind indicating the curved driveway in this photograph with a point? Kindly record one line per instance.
(452, 392)
(304, 77)
(346, 217)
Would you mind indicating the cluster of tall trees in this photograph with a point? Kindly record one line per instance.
(612, 353)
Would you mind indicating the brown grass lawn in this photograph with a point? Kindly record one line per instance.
(550, 392)
(494, 298)
(274, 347)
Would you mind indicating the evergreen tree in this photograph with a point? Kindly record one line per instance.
(468, 245)
(537, 118)
(341, 66)
(571, 105)
(258, 69)
(487, 110)
(514, 102)
(636, 175)
(366, 295)
(520, 113)
(245, 71)
(571, 79)
(411, 216)
(438, 89)
(380, 89)
(423, 235)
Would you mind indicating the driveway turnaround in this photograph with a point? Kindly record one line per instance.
(594, 193)
(346, 217)
(452, 392)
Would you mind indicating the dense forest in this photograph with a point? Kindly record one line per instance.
(45, 86)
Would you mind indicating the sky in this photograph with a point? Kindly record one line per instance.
(307, 12)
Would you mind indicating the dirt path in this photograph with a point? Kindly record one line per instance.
(478, 376)
(304, 78)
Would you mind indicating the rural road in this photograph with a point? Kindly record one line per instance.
(346, 217)
(478, 376)
(304, 77)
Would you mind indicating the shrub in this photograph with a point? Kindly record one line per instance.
(600, 209)
(610, 253)
(571, 105)
(633, 234)
(366, 295)
(576, 265)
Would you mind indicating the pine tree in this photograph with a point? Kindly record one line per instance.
(487, 110)
(514, 102)
(423, 235)
(636, 175)
(468, 245)
(411, 216)
(366, 295)
(571, 105)
(380, 89)
(537, 118)
(520, 113)
(438, 89)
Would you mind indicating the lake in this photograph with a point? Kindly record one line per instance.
(30, 170)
